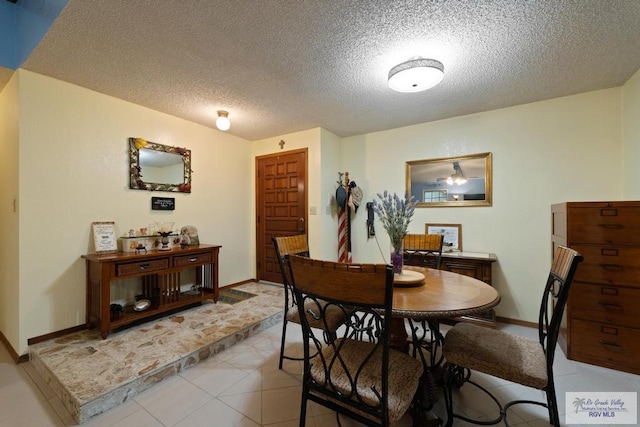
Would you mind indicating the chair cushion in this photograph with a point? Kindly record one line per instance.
(334, 316)
(510, 357)
(404, 375)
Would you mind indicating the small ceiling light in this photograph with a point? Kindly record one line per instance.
(222, 122)
(416, 75)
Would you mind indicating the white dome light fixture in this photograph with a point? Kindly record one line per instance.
(222, 122)
(416, 75)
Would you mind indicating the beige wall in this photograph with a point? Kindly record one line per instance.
(9, 243)
(74, 170)
(631, 137)
(327, 208)
(568, 148)
(563, 149)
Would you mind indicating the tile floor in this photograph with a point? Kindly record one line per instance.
(242, 386)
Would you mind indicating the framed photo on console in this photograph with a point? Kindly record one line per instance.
(104, 237)
(452, 235)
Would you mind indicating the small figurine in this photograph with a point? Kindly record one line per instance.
(140, 247)
(132, 233)
(184, 238)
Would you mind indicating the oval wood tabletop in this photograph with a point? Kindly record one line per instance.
(443, 295)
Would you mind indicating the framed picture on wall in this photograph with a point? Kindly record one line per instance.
(104, 237)
(452, 235)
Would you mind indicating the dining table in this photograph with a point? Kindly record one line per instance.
(441, 295)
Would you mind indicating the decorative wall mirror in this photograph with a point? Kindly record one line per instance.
(157, 167)
(450, 181)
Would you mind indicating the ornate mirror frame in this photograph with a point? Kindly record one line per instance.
(136, 172)
(429, 181)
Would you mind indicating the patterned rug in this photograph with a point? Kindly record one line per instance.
(233, 296)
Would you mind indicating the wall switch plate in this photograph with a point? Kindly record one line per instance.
(312, 210)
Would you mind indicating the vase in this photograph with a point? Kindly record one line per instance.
(397, 255)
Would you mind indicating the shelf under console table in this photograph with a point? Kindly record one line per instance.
(474, 264)
(160, 276)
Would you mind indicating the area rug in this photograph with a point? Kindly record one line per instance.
(233, 296)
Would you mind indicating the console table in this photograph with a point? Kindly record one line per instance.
(160, 274)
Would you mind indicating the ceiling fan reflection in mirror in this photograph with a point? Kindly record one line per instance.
(458, 177)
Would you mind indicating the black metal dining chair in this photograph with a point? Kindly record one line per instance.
(284, 247)
(358, 374)
(529, 362)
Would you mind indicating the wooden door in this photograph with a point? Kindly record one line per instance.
(281, 205)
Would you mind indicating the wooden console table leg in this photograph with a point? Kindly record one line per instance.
(105, 301)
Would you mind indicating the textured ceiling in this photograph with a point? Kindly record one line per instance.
(280, 66)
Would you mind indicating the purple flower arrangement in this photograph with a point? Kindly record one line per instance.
(395, 215)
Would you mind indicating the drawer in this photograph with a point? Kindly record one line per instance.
(612, 345)
(141, 267)
(606, 304)
(193, 259)
(604, 225)
(613, 265)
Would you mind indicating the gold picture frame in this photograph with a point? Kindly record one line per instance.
(452, 235)
(451, 181)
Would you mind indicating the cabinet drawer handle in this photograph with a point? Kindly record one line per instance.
(611, 307)
(193, 259)
(612, 226)
(611, 345)
(611, 266)
(144, 266)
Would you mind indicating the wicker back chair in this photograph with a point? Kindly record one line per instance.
(424, 250)
(528, 362)
(358, 374)
(284, 247)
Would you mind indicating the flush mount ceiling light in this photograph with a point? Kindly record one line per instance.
(416, 75)
(222, 122)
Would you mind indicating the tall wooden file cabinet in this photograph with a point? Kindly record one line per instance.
(602, 318)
